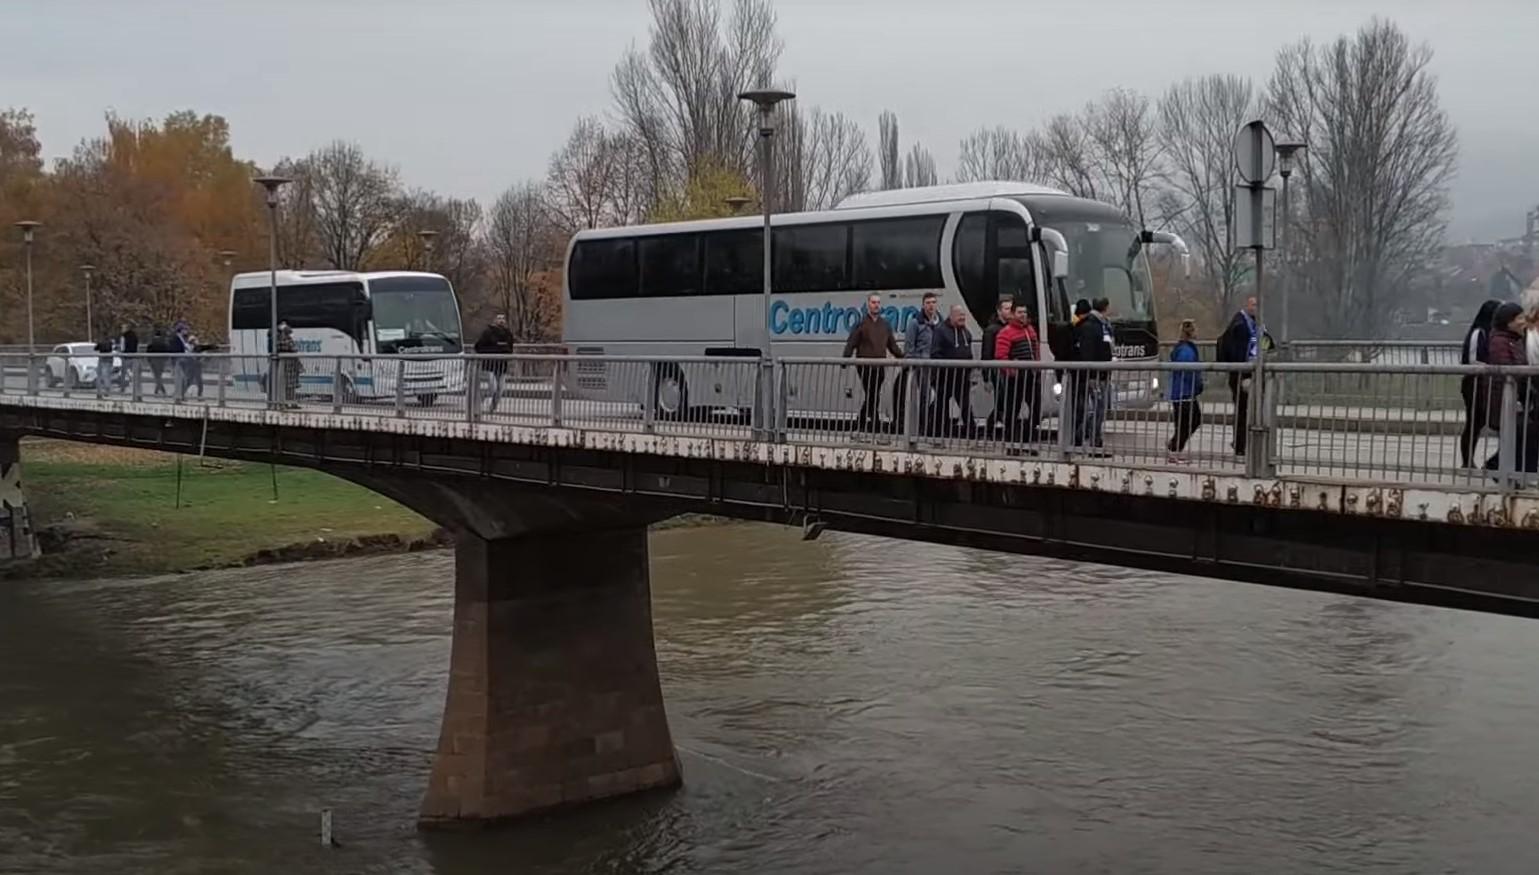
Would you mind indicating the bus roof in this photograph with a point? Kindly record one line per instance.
(252, 279)
(933, 194)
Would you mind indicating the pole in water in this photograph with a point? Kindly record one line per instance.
(178, 481)
(326, 840)
(274, 469)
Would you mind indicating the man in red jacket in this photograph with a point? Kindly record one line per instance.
(1018, 342)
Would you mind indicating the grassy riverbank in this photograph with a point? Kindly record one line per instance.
(109, 511)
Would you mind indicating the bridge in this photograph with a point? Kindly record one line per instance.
(1353, 483)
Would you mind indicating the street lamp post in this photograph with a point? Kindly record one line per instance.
(28, 227)
(736, 203)
(86, 270)
(428, 239)
(1287, 156)
(766, 99)
(270, 185)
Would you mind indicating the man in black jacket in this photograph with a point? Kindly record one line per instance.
(128, 344)
(1093, 343)
(1239, 343)
(953, 342)
(990, 334)
(495, 340)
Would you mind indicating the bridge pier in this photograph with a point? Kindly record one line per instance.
(553, 690)
(17, 538)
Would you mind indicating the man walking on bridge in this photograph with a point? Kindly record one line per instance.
(495, 340)
(1240, 343)
(872, 339)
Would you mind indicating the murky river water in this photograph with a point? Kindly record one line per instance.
(846, 705)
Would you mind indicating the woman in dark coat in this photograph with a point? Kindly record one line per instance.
(1474, 352)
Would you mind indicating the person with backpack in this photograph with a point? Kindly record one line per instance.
(1241, 342)
(1185, 389)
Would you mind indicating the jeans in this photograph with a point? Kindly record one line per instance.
(1188, 418)
(491, 377)
(871, 380)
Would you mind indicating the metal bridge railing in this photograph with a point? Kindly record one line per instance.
(1407, 423)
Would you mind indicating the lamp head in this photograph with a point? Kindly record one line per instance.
(271, 184)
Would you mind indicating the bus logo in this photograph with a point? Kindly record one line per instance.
(829, 319)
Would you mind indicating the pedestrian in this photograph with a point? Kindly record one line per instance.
(195, 362)
(1240, 343)
(495, 340)
(991, 331)
(872, 339)
(1022, 388)
(1508, 347)
(1093, 343)
(128, 342)
(918, 342)
(289, 367)
(1185, 391)
(182, 347)
(1475, 391)
(953, 342)
(158, 348)
(104, 353)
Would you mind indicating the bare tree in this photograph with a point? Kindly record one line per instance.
(353, 202)
(521, 247)
(1000, 153)
(1374, 190)
(1068, 156)
(822, 158)
(678, 99)
(1125, 149)
(1198, 120)
(888, 153)
(919, 168)
(581, 182)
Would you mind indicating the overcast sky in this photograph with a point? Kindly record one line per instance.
(468, 96)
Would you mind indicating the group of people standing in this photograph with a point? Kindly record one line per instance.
(1503, 335)
(942, 394)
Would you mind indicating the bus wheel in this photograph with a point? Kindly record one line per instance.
(670, 393)
(427, 400)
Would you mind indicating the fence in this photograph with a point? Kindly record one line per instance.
(1401, 423)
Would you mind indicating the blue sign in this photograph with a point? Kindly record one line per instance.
(828, 319)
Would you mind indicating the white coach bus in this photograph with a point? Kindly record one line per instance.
(343, 313)
(696, 288)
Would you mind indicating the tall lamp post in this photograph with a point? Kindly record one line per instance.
(766, 99)
(28, 227)
(428, 238)
(736, 203)
(86, 270)
(226, 256)
(270, 185)
(1287, 158)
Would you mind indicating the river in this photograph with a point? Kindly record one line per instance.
(845, 705)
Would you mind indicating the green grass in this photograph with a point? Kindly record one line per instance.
(123, 510)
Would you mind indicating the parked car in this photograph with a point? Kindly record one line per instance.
(74, 365)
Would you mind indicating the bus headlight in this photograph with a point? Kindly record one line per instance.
(1155, 384)
(1057, 389)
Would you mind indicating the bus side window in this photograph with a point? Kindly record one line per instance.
(969, 258)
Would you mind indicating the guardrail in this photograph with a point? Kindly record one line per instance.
(1405, 423)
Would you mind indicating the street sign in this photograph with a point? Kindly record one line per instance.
(1255, 217)
(1255, 153)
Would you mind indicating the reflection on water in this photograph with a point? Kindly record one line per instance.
(849, 704)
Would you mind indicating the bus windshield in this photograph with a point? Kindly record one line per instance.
(414, 314)
(1107, 260)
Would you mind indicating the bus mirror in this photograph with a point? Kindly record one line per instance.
(1169, 239)
(1058, 246)
(1060, 265)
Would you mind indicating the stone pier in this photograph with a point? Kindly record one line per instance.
(553, 691)
(17, 538)
(553, 696)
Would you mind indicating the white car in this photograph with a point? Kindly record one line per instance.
(74, 365)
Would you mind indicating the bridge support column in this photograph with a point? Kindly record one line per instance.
(17, 539)
(553, 692)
